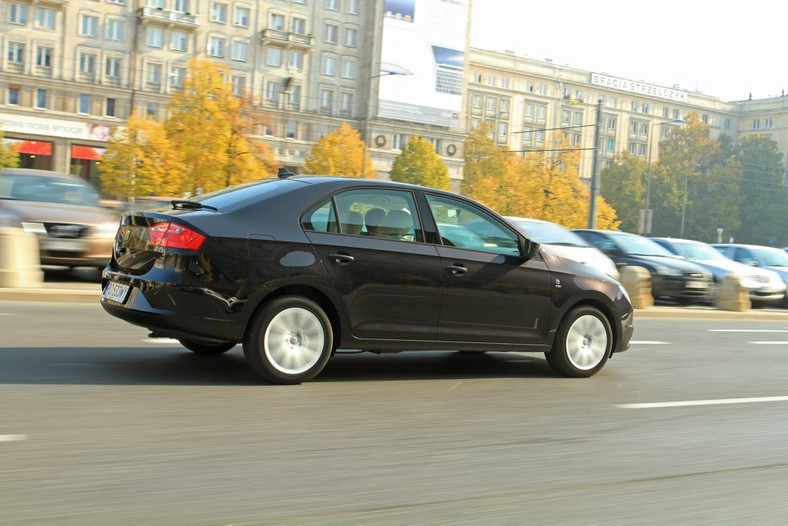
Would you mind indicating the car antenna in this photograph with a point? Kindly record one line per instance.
(284, 173)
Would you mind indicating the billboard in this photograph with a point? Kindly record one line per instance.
(422, 62)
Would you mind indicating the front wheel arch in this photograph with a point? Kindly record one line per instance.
(583, 343)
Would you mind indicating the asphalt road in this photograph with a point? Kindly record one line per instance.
(99, 425)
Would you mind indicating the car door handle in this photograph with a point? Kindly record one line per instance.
(457, 269)
(342, 259)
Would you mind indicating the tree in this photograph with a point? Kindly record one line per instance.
(419, 164)
(9, 158)
(482, 158)
(141, 160)
(624, 188)
(764, 202)
(341, 152)
(209, 125)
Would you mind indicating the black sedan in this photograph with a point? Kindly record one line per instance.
(296, 268)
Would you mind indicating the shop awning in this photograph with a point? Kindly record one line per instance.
(87, 152)
(31, 147)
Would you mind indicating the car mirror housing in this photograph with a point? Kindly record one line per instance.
(529, 249)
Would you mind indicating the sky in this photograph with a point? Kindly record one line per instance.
(724, 49)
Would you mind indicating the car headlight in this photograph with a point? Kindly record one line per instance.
(107, 230)
(667, 271)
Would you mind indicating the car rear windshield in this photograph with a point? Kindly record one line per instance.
(48, 190)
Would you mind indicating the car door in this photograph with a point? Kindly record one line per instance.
(389, 279)
(491, 293)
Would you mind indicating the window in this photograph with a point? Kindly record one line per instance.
(351, 7)
(767, 123)
(492, 103)
(295, 60)
(277, 22)
(665, 111)
(727, 124)
(705, 118)
(328, 64)
(87, 63)
(676, 113)
(41, 98)
(346, 102)
(529, 111)
(240, 51)
(610, 145)
(330, 33)
(241, 16)
(273, 57)
(177, 74)
(503, 130)
(332, 4)
(487, 235)
(88, 26)
(294, 95)
(477, 78)
(298, 26)
(239, 84)
(179, 41)
(504, 107)
(351, 37)
(292, 128)
(13, 96)
(348, 68)
(612, 102)
(611, 123)
(476, 102)
(112, 67)
(396, 141)
(541, 89)
(151, 109)
(326, 99)
(45, 18)
(272, 90)
(156, 3)
(181, 6)
(491, 80)
(109, 107)
(44, 56)
(505, 82)
(84, 104)
(216, 46)
(644, 109)
(756, 124)
(153, 75)
(17, 13)
(541, 113)
(16, 52)
(218, 12)
(114, 29)
(634, 106)
(154, 36)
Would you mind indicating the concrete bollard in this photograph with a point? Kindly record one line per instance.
(637, 282)
(732, 295)
(20, 261)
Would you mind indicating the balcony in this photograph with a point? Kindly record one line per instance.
(15, 67)
(290, 40)
(86, 76)
(169, 17)
(44, 71)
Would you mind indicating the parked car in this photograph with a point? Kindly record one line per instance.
(671, 277)
(565, 243)
(63, 211)
(764, 286)
(296, 268)
(757, 256)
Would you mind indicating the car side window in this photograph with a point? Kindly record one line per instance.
(321, 219)
(465, 226)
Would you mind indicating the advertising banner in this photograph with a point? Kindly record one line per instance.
(423, 61)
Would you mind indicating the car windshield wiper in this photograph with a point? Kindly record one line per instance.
(180, 204)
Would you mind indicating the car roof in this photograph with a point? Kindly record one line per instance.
(39, 173)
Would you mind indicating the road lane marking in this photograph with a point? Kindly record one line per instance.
(748, 330)
(647, 342)
(769, 343)
(690, 403)
(12, 438)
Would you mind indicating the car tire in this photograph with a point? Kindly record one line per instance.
(289, 341)
(207, 349)
(582, 344)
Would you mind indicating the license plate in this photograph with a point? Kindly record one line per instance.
(116, 292)
(75, 245)
(696, 285)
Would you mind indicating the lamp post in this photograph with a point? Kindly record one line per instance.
(646, 215)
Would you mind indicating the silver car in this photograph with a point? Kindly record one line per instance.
(63, 211)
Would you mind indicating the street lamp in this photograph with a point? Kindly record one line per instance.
(645, 217)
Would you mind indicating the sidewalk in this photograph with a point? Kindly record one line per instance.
(81, 292)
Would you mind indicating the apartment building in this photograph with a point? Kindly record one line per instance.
(73, 69)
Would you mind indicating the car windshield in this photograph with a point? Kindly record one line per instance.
(772, 257)
(48, 190)
(640, 246)
(549, 233)
(698, 251)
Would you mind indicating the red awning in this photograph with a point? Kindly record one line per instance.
(87, 152)
(34, 147)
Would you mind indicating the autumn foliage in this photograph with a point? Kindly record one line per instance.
(419, 164)
(342, 153)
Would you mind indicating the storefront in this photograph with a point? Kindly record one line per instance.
(32, 154)
(85, 162)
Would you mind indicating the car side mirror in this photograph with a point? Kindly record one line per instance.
(529, 249)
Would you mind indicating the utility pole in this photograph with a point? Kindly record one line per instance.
(595, 168)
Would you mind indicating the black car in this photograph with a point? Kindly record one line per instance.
(299, 267)
(671, 276)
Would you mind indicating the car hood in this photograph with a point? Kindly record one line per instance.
(40, 212)
(587, 255)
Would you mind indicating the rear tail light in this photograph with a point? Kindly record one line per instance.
(173, 235)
